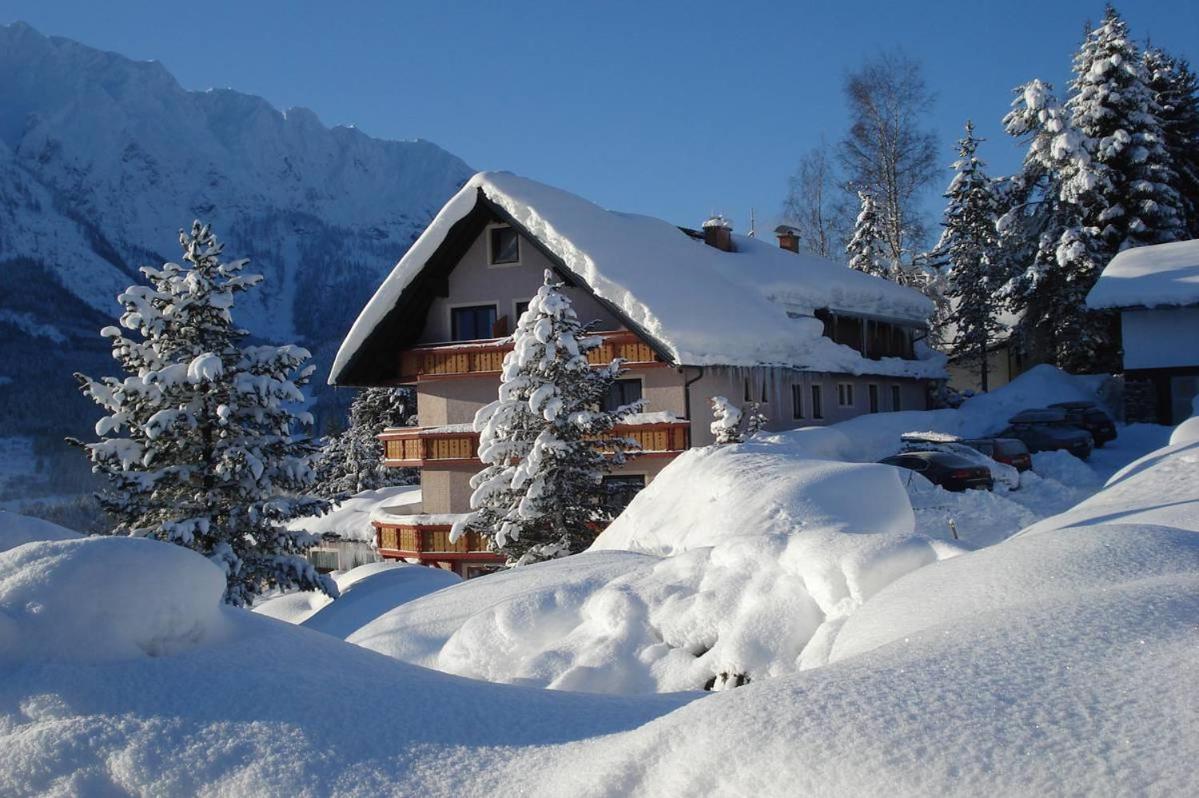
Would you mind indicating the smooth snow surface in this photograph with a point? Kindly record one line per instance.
(100, 599)
(702, 305)
(1161, 275)
(18, 529)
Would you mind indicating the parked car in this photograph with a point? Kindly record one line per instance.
(1011, 451)
(1049, 430)
(1090, 417)
(950, 471)
(1001, 473)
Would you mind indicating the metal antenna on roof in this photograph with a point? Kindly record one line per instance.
(753, 230)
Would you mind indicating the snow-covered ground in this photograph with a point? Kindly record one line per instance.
(1058, 661)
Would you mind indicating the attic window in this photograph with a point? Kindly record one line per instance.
(504, 246)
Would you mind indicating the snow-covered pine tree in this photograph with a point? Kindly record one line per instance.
(201, 445)
(1129, 196)
(755, 419)
(351, 461)
(965, 250)
(546, 441)
(866, 248)
(726, 423)
(1176, 90)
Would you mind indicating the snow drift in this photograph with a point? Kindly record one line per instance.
(98, 599)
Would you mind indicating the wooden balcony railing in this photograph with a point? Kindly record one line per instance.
(420, 447)
(415, 540)
(468, 359)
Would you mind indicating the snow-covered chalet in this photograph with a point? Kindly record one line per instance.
(1156, 291)
(694, 314)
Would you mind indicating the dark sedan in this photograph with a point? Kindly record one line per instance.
(950, 471)
(1049, 430)
(1011, 451)
(1088, 416)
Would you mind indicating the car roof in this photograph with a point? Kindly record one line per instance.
(944, 458)
(1044, 415)
(1079, 404)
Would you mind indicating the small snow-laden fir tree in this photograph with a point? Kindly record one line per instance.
(755, 419)
(546, 441)
(726, 424)
(351, 461)
(1176, 90)
(866, 248)
(966, 252)
(201, 444)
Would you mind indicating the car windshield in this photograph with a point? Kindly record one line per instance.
(1010, 447)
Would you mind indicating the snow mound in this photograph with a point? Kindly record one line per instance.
(752, 608)
(1065, 468)
(99, 599)
(1188, 430)
(16, 530)
(709, 496)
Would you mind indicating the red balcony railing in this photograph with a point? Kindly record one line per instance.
(472, 358)
(419, 447)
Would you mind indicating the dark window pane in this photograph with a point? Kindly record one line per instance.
(873, 391)
(817, 402)
(521, 307)
(505, 245)
(472, 323)
(895, 403)
(797, 401)
(621, 393)
(619, 490)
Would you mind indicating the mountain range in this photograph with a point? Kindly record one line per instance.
(103, 159)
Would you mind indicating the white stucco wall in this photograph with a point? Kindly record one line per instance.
(1160, 338)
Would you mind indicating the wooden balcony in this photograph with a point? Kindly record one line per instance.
(422, 447)
(477, 358)
(429, 542)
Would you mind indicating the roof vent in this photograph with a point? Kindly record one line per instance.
(788, 237)
(718, 232)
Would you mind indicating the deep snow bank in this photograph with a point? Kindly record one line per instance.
(710, 496)
(16, 530)
(97, 599)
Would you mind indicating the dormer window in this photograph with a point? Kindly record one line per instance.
(503, 246)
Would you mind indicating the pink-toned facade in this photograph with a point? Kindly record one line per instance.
(432, 342)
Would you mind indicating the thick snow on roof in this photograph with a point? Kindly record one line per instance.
(703, 305)
(1156, 276)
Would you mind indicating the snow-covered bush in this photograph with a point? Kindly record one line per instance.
(202, 443)
(546, 441)
(726, 425)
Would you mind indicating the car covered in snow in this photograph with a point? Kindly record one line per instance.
(1009, 451)
(950, 471)
(1090, 417)
(1002, 473)
(1048, 430)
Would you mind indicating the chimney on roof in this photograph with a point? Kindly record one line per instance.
(719, 233)
(788, 237)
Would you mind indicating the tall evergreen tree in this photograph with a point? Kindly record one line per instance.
(351, 461)
(1097, 178)
(201, 444)
(866, 248)
(546, 441)
(1176, 89)
(966, 252)
(1129, 196)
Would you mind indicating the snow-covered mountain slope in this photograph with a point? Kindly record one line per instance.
(103, 159)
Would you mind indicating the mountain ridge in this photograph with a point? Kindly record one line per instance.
(103, 159)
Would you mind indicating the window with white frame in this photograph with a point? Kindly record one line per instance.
(845, 394)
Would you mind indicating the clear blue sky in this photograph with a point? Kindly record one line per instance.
(671, 109)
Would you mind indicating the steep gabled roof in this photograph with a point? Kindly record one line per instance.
(695, 304)
(1162, 275)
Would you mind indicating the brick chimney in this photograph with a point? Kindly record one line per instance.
(788, 237)
(719, 233)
